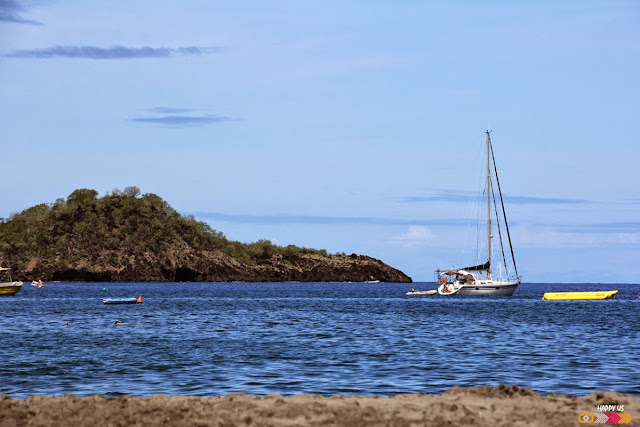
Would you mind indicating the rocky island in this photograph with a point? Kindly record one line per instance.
(126, 236)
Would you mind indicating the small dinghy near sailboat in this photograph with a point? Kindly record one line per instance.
(415, 292)
(479, 279)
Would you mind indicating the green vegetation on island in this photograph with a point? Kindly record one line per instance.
(130, 236)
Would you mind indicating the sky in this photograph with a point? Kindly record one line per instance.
(354, 127)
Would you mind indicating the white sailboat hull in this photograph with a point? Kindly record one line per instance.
(486, 288)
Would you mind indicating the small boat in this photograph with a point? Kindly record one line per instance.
(414, 292)
(10, 287)
(132, 300)
(478, 279)
(557, 296)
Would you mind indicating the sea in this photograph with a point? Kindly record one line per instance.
(211, 339)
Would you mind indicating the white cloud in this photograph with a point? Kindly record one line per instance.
(416, 235)
(553, 238)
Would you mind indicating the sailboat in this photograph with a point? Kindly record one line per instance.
(480, 279)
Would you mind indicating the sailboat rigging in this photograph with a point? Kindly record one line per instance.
(478, 279)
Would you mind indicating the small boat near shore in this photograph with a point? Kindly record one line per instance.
(415, 292)
(11, 287)
(589, 295)
(132, 300)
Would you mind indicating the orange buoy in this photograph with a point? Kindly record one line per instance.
(139, 300)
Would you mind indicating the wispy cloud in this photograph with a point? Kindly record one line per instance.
(415, 236)
(607, 227)
(182, 120)
(171, 116)
(525, 200)
(169, 110)
(312, 219)
(113, 52)
(452, 197)
(578, 237)
(420, 231)
(11, 11)
(457, 196)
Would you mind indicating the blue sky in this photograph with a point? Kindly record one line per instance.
(350, 126)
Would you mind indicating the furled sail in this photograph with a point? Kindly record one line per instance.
(480, 267)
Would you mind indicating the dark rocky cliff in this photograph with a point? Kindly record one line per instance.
(127, 237)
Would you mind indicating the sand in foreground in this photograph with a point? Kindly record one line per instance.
(480, 406)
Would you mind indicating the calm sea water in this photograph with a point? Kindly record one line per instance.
(327, 338)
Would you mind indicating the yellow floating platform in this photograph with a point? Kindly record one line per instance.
(579, 295)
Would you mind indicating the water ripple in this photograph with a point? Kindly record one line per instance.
(289, 338)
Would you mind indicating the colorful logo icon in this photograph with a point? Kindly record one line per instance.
(604, 418)
(585, 418)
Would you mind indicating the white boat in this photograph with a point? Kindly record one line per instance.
(11, 287)
(479, 279)
(415, 292)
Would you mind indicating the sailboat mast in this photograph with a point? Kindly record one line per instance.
(488, 208)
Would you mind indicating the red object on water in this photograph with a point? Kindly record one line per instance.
(139, 300)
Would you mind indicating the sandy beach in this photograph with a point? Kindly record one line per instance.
(479, 406)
